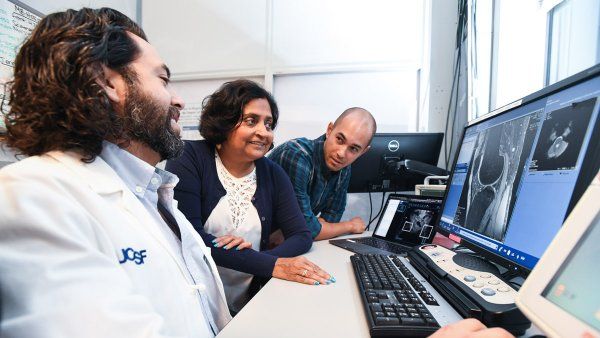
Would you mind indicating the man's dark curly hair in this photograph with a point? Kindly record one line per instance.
(222, 111)
(55, 101)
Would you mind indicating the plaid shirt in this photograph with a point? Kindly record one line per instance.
(318, 190)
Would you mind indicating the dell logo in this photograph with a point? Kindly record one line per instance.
(393, 146)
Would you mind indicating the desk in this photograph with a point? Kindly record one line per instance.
(286, 309)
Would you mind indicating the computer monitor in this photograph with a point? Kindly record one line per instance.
(520, 170)
(377, 169)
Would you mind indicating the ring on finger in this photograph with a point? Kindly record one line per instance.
(304, 272)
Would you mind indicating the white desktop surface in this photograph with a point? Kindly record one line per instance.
(287, 309)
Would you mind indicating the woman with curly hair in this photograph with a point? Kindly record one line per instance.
(229, 189)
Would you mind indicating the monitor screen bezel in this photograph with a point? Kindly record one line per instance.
(582, 182)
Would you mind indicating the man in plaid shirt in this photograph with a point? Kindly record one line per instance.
(320, 171)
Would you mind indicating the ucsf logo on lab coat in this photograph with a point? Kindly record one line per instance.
(130, 254)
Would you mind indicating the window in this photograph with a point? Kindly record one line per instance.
(518, 47)
(573, 39)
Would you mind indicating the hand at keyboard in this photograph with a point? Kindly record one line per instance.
(471, 328)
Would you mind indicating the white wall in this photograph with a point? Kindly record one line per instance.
(317, 58)
(441, 58)
(310, 101)
(203, 38)
(127, 7)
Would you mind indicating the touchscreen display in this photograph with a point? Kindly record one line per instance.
(574, 288)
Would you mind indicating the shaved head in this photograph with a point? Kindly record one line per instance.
(360, 115)
(348, 138)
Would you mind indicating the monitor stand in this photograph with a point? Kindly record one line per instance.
(469, 261)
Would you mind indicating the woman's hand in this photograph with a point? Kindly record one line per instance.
(301, 270)
(230, 241)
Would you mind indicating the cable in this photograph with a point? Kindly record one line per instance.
(463, 249)
(510, 273)
(461, 35)
(517, 285)
(448, 116)
(370, 207)
(454, 95)
(382, 204)
(380, 209)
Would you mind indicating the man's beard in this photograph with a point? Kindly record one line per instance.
(150, 123)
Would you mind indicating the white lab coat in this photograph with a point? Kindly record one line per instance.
(63, 226)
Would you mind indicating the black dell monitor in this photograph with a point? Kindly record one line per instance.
(380, 168)
(521, 169)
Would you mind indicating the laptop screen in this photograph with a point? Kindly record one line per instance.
(408, 219)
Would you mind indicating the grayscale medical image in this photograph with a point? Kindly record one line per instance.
(415, 225)
(561, 137)
(417, 219)
(497, 164)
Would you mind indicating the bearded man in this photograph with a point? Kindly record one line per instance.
(91, 241)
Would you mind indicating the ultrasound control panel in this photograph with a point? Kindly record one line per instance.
(489, 286)
(473, 286)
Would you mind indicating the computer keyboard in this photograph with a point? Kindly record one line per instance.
(396, 302)
(383, 245)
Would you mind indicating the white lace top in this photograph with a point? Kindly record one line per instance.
(239, 192)
(235, 215)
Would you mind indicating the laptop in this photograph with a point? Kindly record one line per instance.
(561, 294)
(406, 221)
